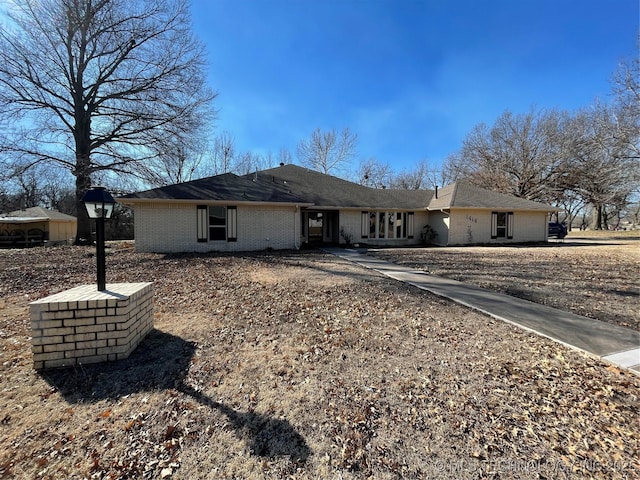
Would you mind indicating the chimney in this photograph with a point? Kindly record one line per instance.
(436, 191)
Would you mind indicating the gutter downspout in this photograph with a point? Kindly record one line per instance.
(296, 234)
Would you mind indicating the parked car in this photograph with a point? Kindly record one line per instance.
(558, 230)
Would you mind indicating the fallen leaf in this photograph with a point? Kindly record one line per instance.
(170, 431)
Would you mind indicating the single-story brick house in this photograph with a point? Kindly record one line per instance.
(289, 206)
(36, 226)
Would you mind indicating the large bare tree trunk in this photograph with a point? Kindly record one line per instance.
(597, 217)
(82, 171)
(83, 183)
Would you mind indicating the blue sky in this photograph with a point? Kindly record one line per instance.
(410, 77)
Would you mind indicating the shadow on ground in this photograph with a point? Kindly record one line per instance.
(161, 362)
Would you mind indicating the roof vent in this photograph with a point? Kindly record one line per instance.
(282, 164)
(436, 192)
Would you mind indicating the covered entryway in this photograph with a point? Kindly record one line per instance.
(320, 227)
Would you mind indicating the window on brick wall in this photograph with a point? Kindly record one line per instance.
(217, 223)
(502, 225)
(387, 225)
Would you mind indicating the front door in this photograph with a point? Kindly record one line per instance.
(316, 227)
(320, 227)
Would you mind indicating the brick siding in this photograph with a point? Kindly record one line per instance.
(172, 227)
(83, 325)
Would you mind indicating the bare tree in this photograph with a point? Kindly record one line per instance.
(20, 192)
(57, 190)
(249, 162)
(29, 191)
(373, 173)
(634, 213)
(223, 153)
(603, 168)
(579, 160)
(44, 186)
(327, 151)
(626, 90)
(419, 177)
(453, 169)
(520, 154)
(176, 160)
(93, 85)
(626, 107)
(572, 205)
(284, 156)
(6, 200)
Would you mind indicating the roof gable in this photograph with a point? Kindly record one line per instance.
(466, 195)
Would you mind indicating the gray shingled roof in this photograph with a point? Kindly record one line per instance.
(332, 192)
(35, 214)
(466, 195)
(294, 184)
(287, 184)
(226, 187)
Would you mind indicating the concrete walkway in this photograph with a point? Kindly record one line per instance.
(618, 345)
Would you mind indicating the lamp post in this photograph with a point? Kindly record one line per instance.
(99, 204)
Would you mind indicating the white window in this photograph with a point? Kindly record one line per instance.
(216, 223)
(502, 225)
(387, 224)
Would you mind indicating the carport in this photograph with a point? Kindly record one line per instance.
(36, 226)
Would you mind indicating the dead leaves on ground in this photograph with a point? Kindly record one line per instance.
(380, 381)
(598, 281)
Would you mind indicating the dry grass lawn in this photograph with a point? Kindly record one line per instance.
(300, 365)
